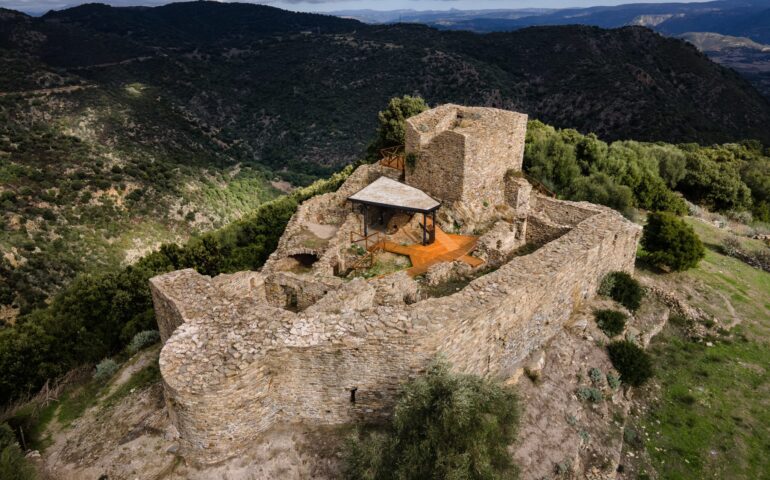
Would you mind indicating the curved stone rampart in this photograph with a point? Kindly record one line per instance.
(297, 343)
(236, 366)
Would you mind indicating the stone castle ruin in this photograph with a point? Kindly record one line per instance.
(453, 255)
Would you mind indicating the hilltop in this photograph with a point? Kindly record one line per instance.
(123, 128)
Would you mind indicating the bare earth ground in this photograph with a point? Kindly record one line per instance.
(561, 435)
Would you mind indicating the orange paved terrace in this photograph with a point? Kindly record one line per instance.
(446, 248)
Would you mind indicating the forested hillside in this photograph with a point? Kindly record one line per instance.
(126, 127)
(122, 129)
(303, 88)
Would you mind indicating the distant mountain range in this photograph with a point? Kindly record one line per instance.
(732, 32)
(747, 18)
(299, 88)
(437, 17)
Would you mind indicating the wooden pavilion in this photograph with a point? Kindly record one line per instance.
(386, 193)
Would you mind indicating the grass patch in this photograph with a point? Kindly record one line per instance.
(384, 264)
(144, 378)
(710, 417)
(75, 403)
(34, 421)
(704, 391)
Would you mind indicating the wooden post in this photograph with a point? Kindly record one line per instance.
(366, 230)
(433, 232)
(424, 227)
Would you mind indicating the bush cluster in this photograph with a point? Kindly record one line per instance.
(142, 340)
(105, 370)
(611, 322)
(13, 465)
(444, 426)
(590, 394)
(626, 174)
(670, 242)
(633, 363)
(623, 288)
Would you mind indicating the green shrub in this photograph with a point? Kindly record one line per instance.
(445, 426)
(595, 375)
(590, 394)
(633, 363)
(632, 437)
(391, 131)
(613, 380)
(670, 242)
(142, 340)
(611, 322)
(6, 436)
(602, 189)
(622, 288)
(714, 181)
(105, 370)
(672, 165)
(13, 465)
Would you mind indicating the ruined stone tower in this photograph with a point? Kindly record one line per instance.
(462, 154)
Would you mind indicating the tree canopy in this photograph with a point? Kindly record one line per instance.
(670, 242)
(626, 174)
(391, 130)
(445, 426)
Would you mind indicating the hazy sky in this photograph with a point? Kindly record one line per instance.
(329, 5)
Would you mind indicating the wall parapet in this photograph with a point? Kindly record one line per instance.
(235, 367)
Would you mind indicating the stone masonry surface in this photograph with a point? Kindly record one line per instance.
(298, 343)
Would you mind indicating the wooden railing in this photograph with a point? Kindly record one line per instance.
(393, 157)
(370, 240)
(373, 244)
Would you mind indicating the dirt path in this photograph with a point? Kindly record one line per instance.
(122, 62)
(137, 363)
(730, 309)
(49, 91)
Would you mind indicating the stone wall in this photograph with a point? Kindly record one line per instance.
(296, 344)
(235, 367)
(297, 292)
(495, 246)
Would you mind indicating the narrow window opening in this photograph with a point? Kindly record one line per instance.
(353, 394)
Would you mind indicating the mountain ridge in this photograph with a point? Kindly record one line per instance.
(172, 131)
(94, 34)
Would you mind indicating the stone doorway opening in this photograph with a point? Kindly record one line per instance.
(305, 260)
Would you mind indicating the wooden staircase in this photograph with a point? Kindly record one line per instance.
(393, 157)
